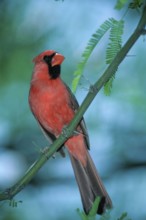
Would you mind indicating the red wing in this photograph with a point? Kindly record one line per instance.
(74, 105)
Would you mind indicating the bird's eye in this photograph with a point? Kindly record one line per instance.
(48, 59)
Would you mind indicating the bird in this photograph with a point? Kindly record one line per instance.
(54, 106)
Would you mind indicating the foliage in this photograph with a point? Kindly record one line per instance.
(132, 4)
(105, 216)
(124, 216)
(114, 45)
(136, 4)
(92, 213)
(120, 4)
(116, 29)
(13, 203)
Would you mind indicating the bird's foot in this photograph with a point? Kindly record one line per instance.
(66, 132)
(45, 151)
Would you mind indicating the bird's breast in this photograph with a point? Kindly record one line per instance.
(49, 103)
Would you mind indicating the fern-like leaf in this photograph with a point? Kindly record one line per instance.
(94, 40)
(115, 38)
(124, 216)
(120, 4)
(135, 4)
(115, 44)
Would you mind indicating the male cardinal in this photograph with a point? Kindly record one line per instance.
(54, 106)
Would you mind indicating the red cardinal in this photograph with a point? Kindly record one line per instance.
(54, 106)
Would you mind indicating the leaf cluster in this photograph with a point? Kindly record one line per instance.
(115, 29)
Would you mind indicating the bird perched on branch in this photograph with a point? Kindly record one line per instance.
(54, 106)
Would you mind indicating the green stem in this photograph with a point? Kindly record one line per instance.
(11, 192)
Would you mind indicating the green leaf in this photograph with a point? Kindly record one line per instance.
(120, 4)
(108, 86)
(124, 216)
(116, 31)
(82, 215)
(13, 203)
(115, 38)
(94, 208)
(136, 4)
(114, 46)
(92, 213)
(94, 40)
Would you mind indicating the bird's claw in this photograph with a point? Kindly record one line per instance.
(66, 132)
(45, 150)
(76, 132)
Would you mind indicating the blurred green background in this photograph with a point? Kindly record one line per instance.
(116, 123)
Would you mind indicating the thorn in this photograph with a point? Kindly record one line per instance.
(93, 89)
(86, 81)
(144, 31)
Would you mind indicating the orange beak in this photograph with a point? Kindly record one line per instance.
(57, 59)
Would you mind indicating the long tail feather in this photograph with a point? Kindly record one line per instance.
(90, 185)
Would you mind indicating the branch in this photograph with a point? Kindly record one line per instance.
(11, 192)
